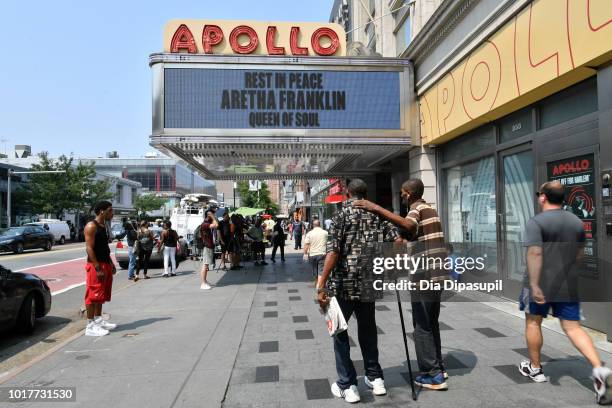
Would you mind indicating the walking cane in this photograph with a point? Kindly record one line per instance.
(401, 313)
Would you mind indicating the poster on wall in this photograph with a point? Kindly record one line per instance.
(578, 176)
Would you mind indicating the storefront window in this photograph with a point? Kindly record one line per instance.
(569, 104)
(476, 141)
(518, 190)
(471, 210)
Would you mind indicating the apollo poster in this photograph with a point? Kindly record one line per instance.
(578, 177)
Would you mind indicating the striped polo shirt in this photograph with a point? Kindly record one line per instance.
(429, 239)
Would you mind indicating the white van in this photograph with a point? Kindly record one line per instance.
(59, 229)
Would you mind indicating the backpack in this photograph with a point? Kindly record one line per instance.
(145, 241)
(197, 238)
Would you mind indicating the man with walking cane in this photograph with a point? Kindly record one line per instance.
(351, 229)
(427, 238)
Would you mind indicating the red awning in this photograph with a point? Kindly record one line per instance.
(334, 199)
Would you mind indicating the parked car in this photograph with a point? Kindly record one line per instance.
(23, 298)
(118, 231)
(157, 258)
(59, 229)
(18, 239)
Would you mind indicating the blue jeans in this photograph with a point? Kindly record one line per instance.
(368, 341)
(132, 264)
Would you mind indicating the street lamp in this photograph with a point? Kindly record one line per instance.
(8, 187)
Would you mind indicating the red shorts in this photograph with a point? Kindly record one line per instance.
(96, 291)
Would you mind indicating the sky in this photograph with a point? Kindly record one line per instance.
(75, 76)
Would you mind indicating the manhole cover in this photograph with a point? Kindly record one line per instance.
(130, 335)
(83, 357)
(53, 279)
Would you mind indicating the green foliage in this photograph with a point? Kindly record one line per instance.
(55, 193)
(147, 202)
(252, 199)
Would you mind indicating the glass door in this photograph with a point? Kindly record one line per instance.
(517, 206)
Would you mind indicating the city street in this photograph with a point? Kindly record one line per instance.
(63, 269)
(257, 340)
(449, 159)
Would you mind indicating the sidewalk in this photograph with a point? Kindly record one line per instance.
(258, 340)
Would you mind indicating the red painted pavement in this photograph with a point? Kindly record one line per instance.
(61, 275)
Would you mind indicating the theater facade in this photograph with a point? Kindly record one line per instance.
(251, 100)
(512, 94)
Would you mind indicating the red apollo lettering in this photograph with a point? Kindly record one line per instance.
(247, 48)
(211, 36)
(183, 40)
(315, 41)
(571, 167)
(270, 39)
(293, 42)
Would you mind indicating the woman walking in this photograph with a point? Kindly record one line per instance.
(143, 246)
(169, 239)
(131, 235)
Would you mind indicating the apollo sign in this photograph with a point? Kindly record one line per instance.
(244, 38)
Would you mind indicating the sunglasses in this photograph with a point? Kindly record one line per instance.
(537, 193)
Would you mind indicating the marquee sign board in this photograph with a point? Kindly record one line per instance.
(232, 96)
(264, 98)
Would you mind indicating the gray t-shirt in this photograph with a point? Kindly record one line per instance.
(560, 234)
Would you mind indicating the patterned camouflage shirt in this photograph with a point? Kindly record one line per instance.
(356, 236)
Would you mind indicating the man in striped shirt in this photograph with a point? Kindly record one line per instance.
(427, 239)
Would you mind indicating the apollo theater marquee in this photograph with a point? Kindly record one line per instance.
(266, 100)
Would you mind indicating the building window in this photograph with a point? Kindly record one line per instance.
(569, 104)
(403, 35)
(371, 35)
(473, 142)
(471, 208)
(119, 197)
(403, 28)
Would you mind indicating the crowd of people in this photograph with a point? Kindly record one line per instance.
(335, 255)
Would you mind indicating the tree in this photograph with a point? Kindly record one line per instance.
(255, 200)
(53, 194)
(147, 202)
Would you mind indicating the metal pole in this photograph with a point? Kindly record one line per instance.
(8, 197)
(401, 313)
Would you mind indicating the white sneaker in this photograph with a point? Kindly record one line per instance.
(95, 330)
(106, 325)
(377, 386)
(602, 382)
(205, 286)
(536, 374)
(351, 394)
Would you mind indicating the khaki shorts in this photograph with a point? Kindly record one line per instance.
(208, 257)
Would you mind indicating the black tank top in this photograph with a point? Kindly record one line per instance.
(101, 248)
(170, 239)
